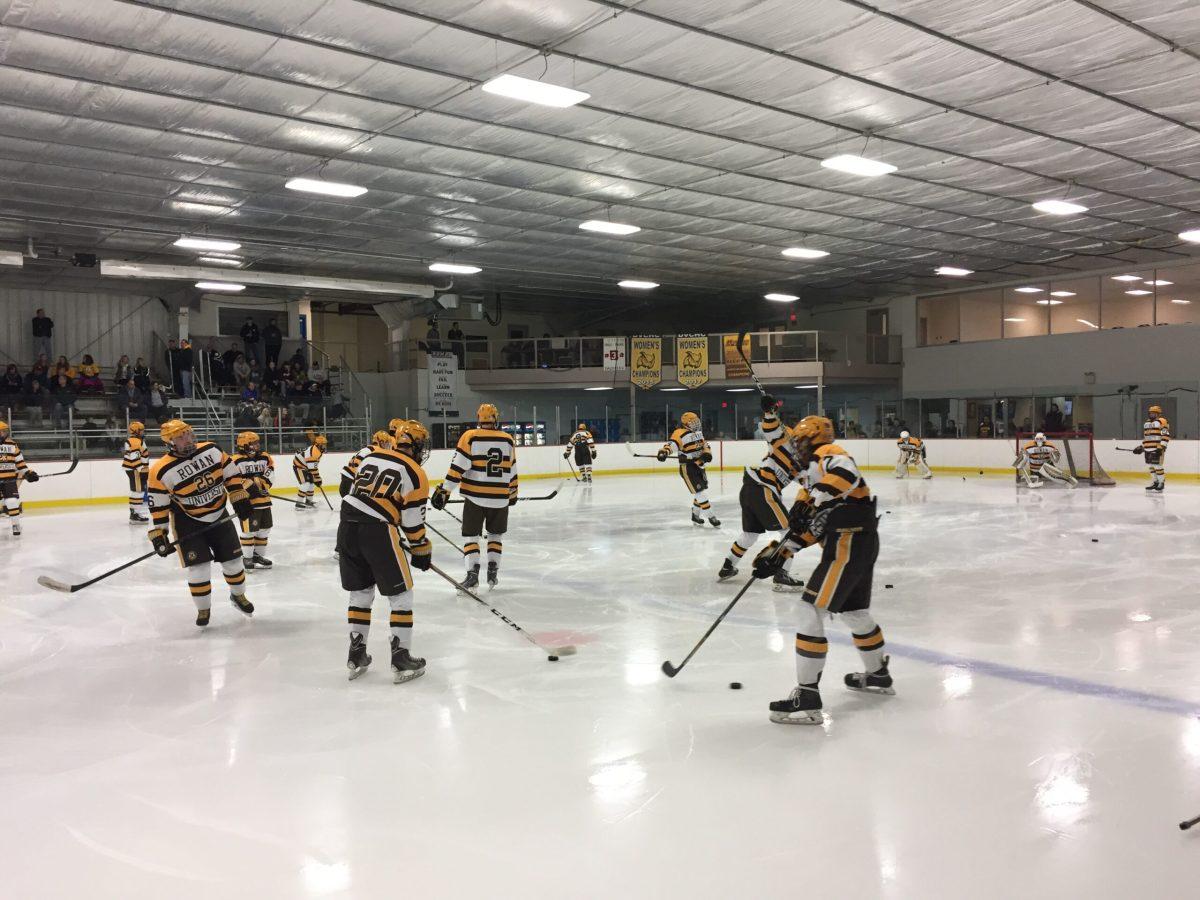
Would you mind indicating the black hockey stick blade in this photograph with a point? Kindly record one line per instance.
(1184, 826)
(669, 670)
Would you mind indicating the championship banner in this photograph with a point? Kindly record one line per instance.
(647, 360)
(443, 372)
(735, 366)
(614, 353)
(691, 359)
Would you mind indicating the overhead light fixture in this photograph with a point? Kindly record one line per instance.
(1127, 278)
(1014, 319)
(1138, 292)
(671, 390)
(1087, 323)
(739, 390)
(1059, 207)
(221, 260)
(1181, 302)
(1028, 290)
(124, 268)
(608, 227)
(781, 298)
(858, 165)
(804, 253)
(637, 285)
(531, 91)
(1159, 283)
(11, 258)
(212, 208)
(953, 270)
(330, 188)
(220, 286)
(807, 387)
(195, 243)
(1193, 235)
(454, 269)
(1062, 293)
(1049, 302)
(598, 389)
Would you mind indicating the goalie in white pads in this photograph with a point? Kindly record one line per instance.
(1039, 458)
(912, 453)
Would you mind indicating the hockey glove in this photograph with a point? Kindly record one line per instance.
(422, 555)
(593, 454)
(243, 509)
(31, 476)
(770, 560)
(317, 479)
(769, 404)
(800, 517)
(662, 454)
(158, 540)
(512, 499)
(439, 498)
(1139, 450)
(566, 453)
(705, 457)
(344, 486)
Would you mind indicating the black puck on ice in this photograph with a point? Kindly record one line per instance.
(735, 685)
(887, 585)
(552, 658)
(1095, 540)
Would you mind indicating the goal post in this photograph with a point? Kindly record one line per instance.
(1078, 450)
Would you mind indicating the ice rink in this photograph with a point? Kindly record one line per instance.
(1043, 740)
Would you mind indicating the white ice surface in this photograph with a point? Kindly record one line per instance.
(1043, 742)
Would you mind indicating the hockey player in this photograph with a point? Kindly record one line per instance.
(306, 465)
(694, 454)
(188, 486)
(387, 497)
(1156, 434)
(1040, 457)
(135, 460)
(484, 468)
(257, 471)
(763, 509)
(839, 515)
(13, 471)
(583, 445)
(912, 453)
(380, 440)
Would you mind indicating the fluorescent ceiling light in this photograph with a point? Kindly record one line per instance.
(195, 243)
(220, 286)
(807, 387)
(189, 206)
(534, 91)
(1028, 290)
(1127, 278)
(858, 165)
(781, 298)
(1181, 302)
(638, 285)
(454, 268)
(1193, 235)
(1139, 292)
(804, 253)
(1062, 293)
(1014, 319)
(331, 188)
(1087, 323)
(1159, 283)
(11, 258)
(221, 260)
(1049, 303)
(1059, 207)
(953, 270)
(669, 390)
(598, 389)
(608, 227)
(738, 390)
(124, 268)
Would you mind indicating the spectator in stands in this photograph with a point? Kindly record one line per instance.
(43, 331)
(64, 398)
(1054, 419)
(250, 391)
(256, 374)
(241, 370)
(187, 362)
(131, 401)
(951, 429)
(62, 367)
(39, 374)
(158, 403)
(123, 372)
(246, 415)
(114, 435)
(270, 378)
(298, 361)
(250, 338)
(265, 418)
(1027, 425)
(433, 337)
(171, 357)
(985, 426)
(89, 376)
(232, 355)
(11, 384)
(141, 375)
(37, 400)
(273, 340)
(318, 376)
(457, 345)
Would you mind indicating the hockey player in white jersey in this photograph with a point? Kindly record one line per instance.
(583, 446)
(1039, 459)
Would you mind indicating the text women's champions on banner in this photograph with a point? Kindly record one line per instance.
(691, 359)
(646, 353)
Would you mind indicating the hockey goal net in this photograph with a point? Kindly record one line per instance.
(1078, 450)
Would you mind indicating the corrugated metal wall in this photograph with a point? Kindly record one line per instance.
(85, 320)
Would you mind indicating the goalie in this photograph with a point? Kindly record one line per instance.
(912, 453)
(1039, 458)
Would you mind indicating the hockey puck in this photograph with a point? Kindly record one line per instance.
(735, 685)
(1095, 540)
(887, 585)
(552, 658)
(981, 471)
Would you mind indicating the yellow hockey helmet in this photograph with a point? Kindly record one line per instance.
(414, 440)
(321, 441)
(690, 421)
(381, 439)
(487, 414)
(582, 426)
(395, 425)
(246, 438)
(1156, 410)
(813, 432)
(137, 428)
(172, 430)
(4, 429)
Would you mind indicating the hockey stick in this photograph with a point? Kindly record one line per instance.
(1137, 450)
(446, 539)
(66, 471)
(572, 467)
(629, 447)
(326, 496)
(55, 585)
(1184, 826)
(452, 515)
(742, 353)
(549, 496)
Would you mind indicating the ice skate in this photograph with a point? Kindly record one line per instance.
(471, 581)
(493, 574)
(248, 563)
(714, 521)
(877, 682)
(262, 562)
(696, 520)
(16, 529)
(359, 659)
(1152, 486)
(202, 617)
(405, 666)
(242, 604)
(727, 571)
(802, 707)
(783, 582)
(135, 519)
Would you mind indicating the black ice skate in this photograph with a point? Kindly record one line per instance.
(358, 659)
(696, 520)
(247, 563)
(877, 682)
(134, 518)
(784, 582)
(405, 666)
(714, 521)
(262, 562)
(727, 571)
(202, 617)
(16, 529)
(471, 581)
(802, 707)
(242, 605)
(493, 575)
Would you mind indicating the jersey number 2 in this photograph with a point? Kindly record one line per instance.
(495, 460)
